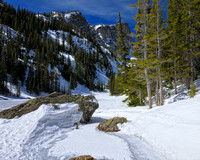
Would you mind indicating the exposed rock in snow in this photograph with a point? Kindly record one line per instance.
(110, 125)
(87, 157)
(108, 34)
(87, 104)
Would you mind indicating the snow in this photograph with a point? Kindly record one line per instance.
(68, 15)
(88, 140)
(98, 26)
(43, 17)
(87, 47)
(101, 76)
(12, 31)
(21, 136)
(66, 56)
(173, 129)
(170, 132)
(6, 102)
(31, 53)
(53, 34)
(102, 25)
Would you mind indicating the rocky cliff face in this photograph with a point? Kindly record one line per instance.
(74, 18)
(106, 35)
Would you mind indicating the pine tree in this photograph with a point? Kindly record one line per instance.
(69, 86)
(63, 41)
(3, 77)
(136, 86)
(111, 84)
(18, 93)
(181, 39)
(122, 54)
(190, 13)
(155, 37)
(192, 90)
(30, 80)
(141, 46)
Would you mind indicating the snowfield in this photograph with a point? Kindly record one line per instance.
(170, 132)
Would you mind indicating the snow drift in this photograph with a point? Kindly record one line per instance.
(26, 137)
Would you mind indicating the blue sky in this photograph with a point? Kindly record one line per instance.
(95, 11)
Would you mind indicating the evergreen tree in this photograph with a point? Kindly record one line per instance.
(122, 53)
(155, 37)
(111, 84)
(182, 39)
(30, 80)
(18, 93)
(3, 77)
(63, 41)
(69, 86)
(144, 58)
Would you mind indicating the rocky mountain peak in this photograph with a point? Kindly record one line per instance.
(74, 18)
(108, 34)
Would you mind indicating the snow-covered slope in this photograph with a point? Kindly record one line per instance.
(8, 32)
(170, 132)
(83, 43)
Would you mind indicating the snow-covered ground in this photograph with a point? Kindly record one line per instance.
(170, 132)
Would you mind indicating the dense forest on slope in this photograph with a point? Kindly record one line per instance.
(166, 52)
(37, 53)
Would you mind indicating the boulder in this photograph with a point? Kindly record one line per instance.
(87, 157)
(87, 104)
(110, 125)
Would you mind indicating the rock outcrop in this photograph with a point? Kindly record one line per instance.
(110, 125)
(87, 157)
(108, 34)
(87, 104)
(75, 19)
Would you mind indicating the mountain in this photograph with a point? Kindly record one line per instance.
(55, 52)
(106, 35)
(75, 19)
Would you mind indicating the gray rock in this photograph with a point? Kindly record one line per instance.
(108, 33)
(87, 104)
(75, 19)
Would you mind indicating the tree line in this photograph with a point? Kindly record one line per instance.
(166, 51)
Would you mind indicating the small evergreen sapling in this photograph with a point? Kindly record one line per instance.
(193, 91)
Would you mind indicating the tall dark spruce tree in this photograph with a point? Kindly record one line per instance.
(122, 57)
(183, 39)
(143, 57)
(164, 52)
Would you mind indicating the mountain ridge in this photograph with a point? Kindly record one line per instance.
(106, 34)
(52, 52)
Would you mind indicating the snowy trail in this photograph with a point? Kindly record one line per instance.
(88, 140)
(111, 106)
(44, 134)
(170, 132)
